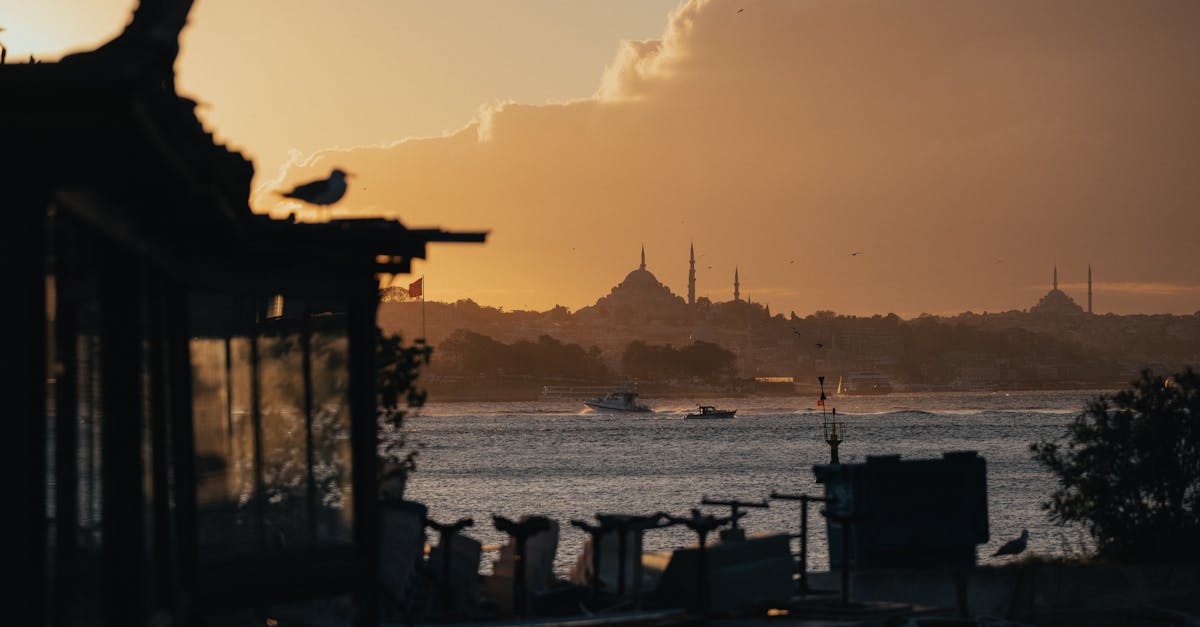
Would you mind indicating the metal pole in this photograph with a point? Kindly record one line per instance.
(519, 576)
(705, 603)
(804, 531)
(622, 548)
(804, 544)
(834, 439)
(846, 562)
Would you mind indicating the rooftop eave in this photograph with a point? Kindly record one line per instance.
(387, 243)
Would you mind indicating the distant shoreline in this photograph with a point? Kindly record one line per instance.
(522, 390)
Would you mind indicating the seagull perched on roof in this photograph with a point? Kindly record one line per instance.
(323, 192)
(1012, 547)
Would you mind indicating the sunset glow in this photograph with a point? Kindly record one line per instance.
(963, 148)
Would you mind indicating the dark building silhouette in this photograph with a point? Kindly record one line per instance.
(191, 432)
(1056, 302)
(639, 293)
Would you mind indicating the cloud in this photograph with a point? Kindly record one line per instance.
(935, 135)
(634, 67)
(1157, 289)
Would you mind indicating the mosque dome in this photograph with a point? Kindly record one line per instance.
(640, 277)
(642, 292)
(1056, 302)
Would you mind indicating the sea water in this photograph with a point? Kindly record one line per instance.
(559, 460)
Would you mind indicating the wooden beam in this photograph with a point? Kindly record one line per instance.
(121, 325)
(23, 386)
(364, 430)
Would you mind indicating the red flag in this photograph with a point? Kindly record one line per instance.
(820, 402)
(414, 288)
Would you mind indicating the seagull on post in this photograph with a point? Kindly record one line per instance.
(1013, 547)
(321, 193)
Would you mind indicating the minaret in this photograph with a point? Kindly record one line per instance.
(1055, 270)
(692, 275)
(737, 294)
(643, 266)
(1089, 288)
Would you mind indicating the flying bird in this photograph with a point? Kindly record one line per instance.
(1012, 547)
(740, 10)
(796, 332)
(323, 192)
(820, 345)
(856, 253)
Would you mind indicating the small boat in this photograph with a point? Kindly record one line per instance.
(624, 400)
(708, 411)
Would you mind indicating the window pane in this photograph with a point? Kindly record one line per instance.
(330, 348)
(221, 524)
(284, 441)
(273, 448)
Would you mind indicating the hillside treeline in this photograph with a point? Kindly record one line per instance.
(699, 360)
(466, 353)
(471, 354)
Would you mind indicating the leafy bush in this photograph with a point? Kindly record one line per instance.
(397, 368)
(1129, 470)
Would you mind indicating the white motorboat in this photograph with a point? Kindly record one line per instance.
(621, 400)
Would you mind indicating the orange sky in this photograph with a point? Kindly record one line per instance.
(962, 147)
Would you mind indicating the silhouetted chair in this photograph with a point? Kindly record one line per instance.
(454, 566)
(514, 583)
(402, 550)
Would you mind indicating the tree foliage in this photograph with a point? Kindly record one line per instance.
(397, 368)
(1129, 470)
(702, 360)
(470, 353)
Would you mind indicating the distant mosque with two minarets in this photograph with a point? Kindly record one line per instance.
(641, 291)
(1057, 303)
